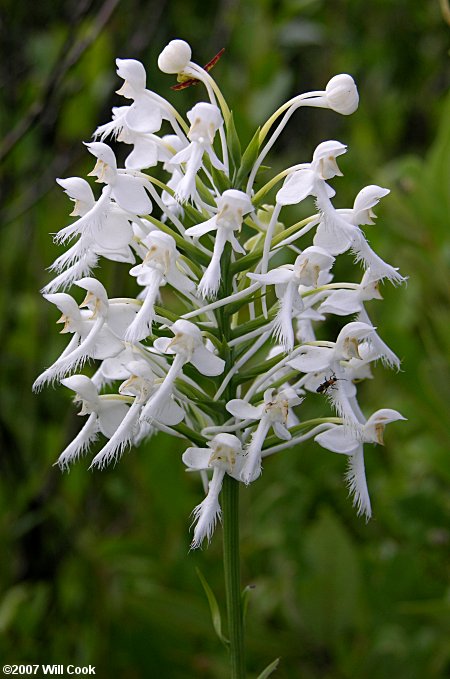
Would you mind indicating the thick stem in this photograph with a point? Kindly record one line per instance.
(231, 564)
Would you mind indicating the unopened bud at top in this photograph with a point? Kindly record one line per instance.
(175, 57)
(342, 94)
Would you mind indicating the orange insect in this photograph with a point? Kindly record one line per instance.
(328, 384)
(194, 81)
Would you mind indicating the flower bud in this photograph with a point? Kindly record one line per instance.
(342, 94)
(175, 57)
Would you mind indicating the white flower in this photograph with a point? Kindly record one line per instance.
(98, 333)
(158, 268)
(273, 413)
(232, 206)
(290, 280)
(147, 111)
(140, 384)
(175, 57)
(104, 229)
(205, 120)
(310, 181)
(105, 415)
(348, 301)
(342, 94)
(339, 230)
(187, 345)
(316, 358)
(224, 456)
(349, 441)
(128, 191)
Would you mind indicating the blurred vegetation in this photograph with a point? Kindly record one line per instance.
(95, 566)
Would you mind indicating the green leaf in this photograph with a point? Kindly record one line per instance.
(269, 669)
(214, 608)
(245, 599)
(234, 145)
(248, 159)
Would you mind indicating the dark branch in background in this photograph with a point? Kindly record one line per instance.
(69, 55)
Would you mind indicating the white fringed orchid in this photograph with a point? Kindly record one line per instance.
(232, 205)
(349, 440)
(290, 280)
(158, 268)
(224, 456)
(272, 414)
(188, 347)
(105, 415)
(205, 120)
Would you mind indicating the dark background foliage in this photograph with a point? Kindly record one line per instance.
(95, 566)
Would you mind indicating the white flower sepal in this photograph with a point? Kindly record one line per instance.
(105, 415)
(349, 440)
(273, 413)
(232, 206)
(224, 456)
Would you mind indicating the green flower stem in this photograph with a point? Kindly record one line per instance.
(231, 563)
(230, 505)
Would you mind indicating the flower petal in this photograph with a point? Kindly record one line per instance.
(130, 194)
(313, 359)
(296, 188)
(206, 362)
(339, 439)
(244, 410)
(196, 458)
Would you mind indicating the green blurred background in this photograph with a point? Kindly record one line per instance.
(95, 567)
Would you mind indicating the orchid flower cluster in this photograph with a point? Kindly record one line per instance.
(219, 346)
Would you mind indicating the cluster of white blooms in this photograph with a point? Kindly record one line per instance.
(219, 347)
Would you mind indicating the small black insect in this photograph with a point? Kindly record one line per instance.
(328, 384)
